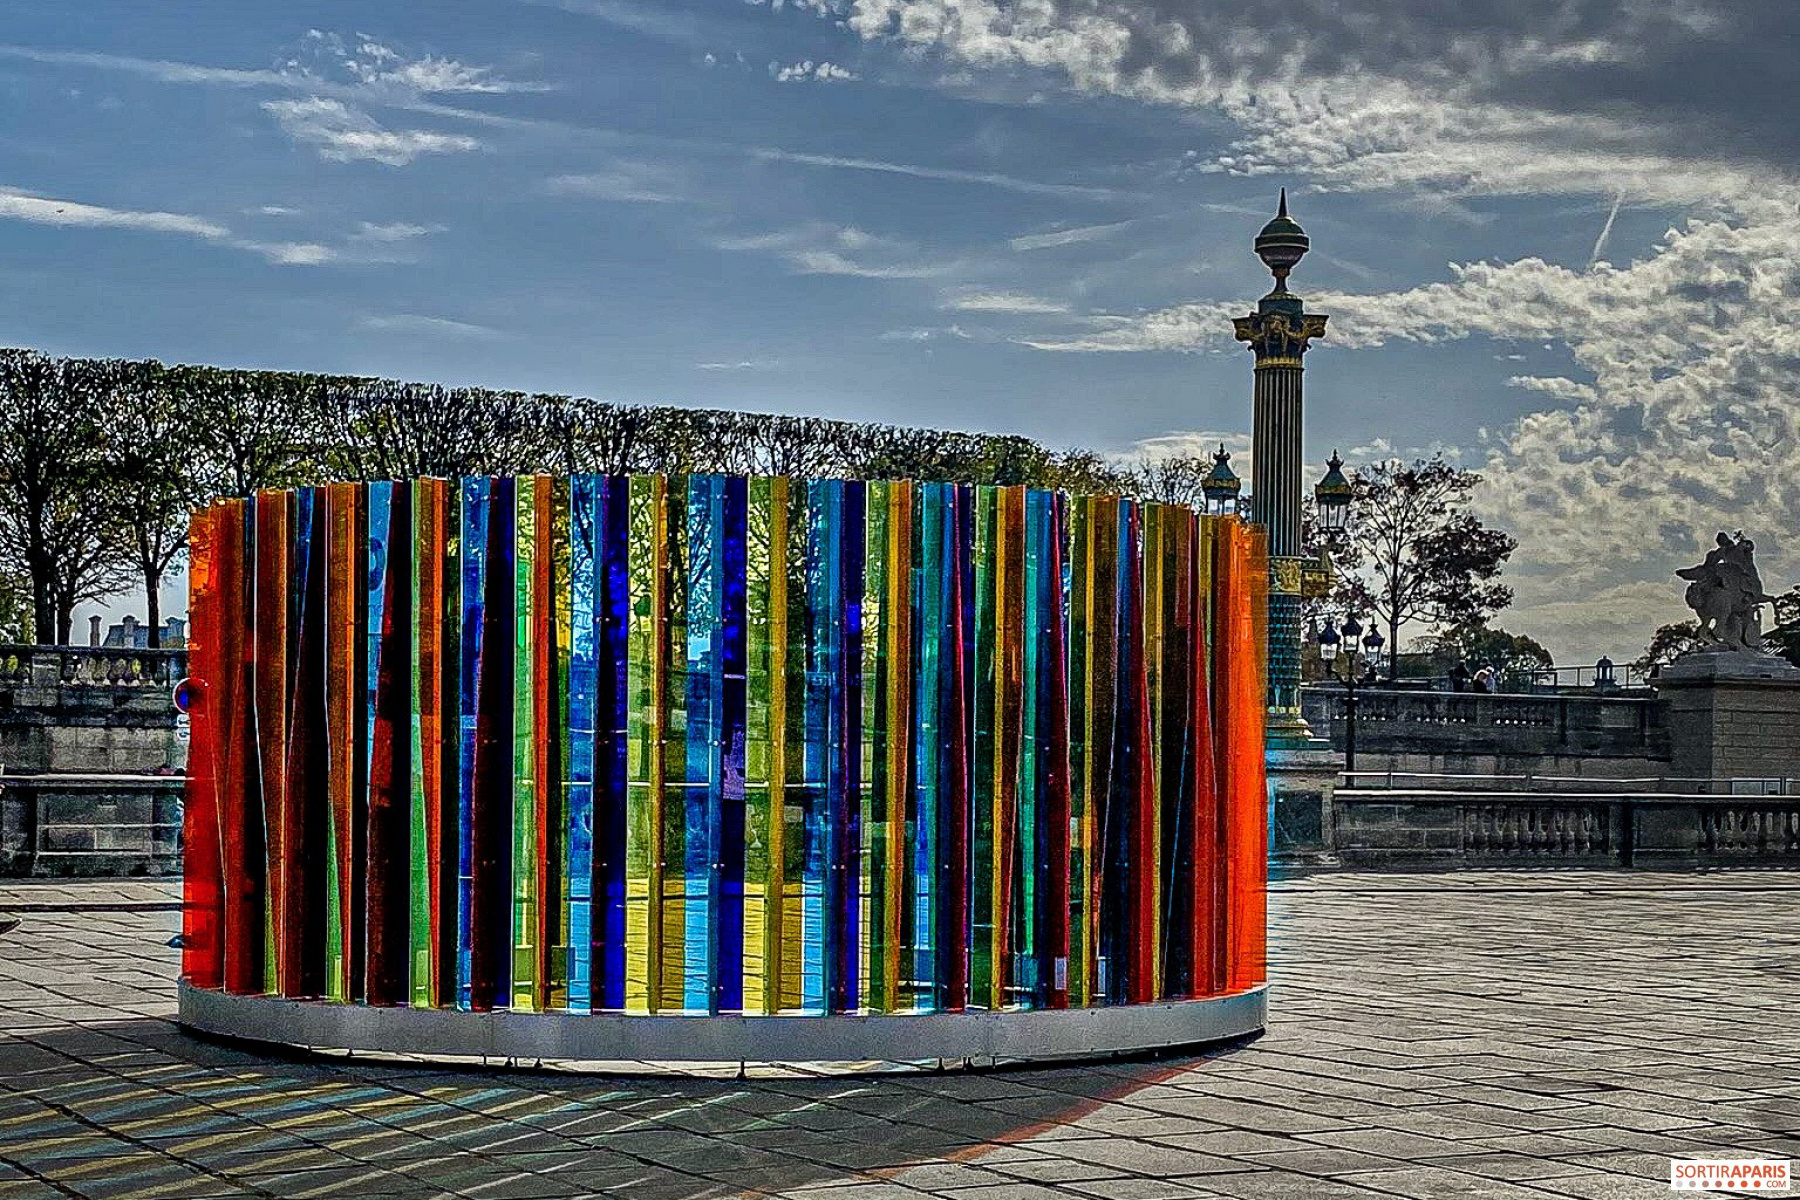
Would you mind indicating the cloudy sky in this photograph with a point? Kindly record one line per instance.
(1557, 238)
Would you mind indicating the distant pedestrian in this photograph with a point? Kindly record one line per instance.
(1459, 677)
(1484, 680)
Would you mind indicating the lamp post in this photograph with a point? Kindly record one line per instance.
(1345, 639)
(1331, 497)
(1221, 486)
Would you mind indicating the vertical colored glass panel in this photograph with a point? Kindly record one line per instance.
(491, 943)
(648, 557)
(985, 970)
(310, 869)
(527, 792)
(432, 625)
(389, 746)
(343, 708)
(203, 883)
(583, 718)
(762, 552)
(727, 948)
(237, 785)
(272, 607)
(701, 786)
(1246, 799)
(874, 881)
(929, 622)
(612, 625)
(475, 499)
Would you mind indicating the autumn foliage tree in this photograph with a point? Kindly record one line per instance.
(1416, 553)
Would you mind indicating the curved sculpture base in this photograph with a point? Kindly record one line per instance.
(618, 1038)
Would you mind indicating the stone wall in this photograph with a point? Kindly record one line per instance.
(93, 761)
(1467, 733)
(1733, 714)
(76, 710)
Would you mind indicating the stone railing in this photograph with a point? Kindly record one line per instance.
(1411, 829)
(1506, 733)
(95, 666)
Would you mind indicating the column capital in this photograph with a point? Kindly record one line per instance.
(1279, 336)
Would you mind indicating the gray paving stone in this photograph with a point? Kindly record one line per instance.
(1442, 1183)
(1466, 1035)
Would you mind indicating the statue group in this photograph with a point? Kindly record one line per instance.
(1726, 593)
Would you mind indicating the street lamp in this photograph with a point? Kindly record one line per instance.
(1372, 643)
(1346, 644)
(1221, 486)
(1332, 496)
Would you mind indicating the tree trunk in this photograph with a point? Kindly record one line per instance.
(43, 610)
(1393, 671)
(65, 619)
(153, 607)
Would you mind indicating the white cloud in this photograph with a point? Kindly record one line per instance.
(747, 364)
(625, 181)
(1192, 443)
(43, 210)
(807, 70)
(18, 205)
(1555, 387)
(393, 231)
(820, 249)
(345, 134)
(1688, 425)
(947, 174)
(419, 323)
(1004, 302)
(377, 66)
(1067, 237)
(922, 334)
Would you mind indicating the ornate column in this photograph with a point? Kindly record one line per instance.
(1279, 332)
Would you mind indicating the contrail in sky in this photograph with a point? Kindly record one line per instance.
(1605, 230)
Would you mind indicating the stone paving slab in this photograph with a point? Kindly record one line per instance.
(1483, 1035)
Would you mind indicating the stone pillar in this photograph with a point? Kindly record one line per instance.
(1732, 714)
(1279, 333)
(1303, 769)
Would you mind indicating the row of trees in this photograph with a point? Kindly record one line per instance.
(102, 460)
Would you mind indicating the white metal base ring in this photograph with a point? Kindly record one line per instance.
(608, 1037)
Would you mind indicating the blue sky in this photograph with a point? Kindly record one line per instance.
(1546, 247)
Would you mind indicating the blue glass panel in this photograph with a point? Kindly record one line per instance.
(846, 781)
(701, 795)
(473, 533)
(381, 513)
(929, 629)
(611, 619)
(583, 671)
(728, 925)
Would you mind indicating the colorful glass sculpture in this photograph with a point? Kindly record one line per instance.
(703, 744)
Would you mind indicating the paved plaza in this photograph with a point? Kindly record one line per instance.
(1473, 1035)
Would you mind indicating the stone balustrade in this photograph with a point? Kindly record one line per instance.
(1411, 829)
(1495, 734)
(94, 666)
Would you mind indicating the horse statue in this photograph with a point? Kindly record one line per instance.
(1726, 593)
